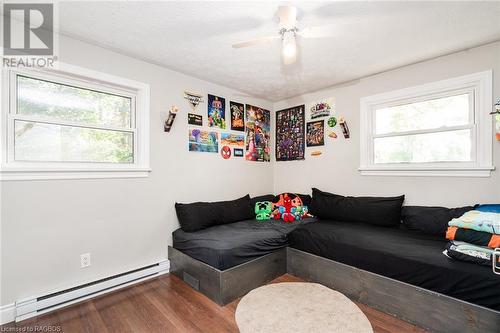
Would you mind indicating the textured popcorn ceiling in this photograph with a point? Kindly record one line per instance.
(367, 37)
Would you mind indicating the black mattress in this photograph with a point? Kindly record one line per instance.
(404, 255)
(228, 245)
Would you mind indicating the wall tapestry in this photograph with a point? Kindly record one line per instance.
(195, 119)
(290, 139)
(203, 141)
(193, 99)
(230, 139)
(258, 126)
(322, 108)
(315, 133)
(216, 111)
(237, 116)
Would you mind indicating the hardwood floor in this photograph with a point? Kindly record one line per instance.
(164, 304)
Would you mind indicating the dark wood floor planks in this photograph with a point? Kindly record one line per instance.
(166, 304)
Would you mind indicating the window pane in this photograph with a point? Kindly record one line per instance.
(434, 113)
(452, 146)
(58, 101)
(56, 143)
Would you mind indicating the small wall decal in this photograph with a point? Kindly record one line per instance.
(316, 153)
(345, 128)
(238, 152)
(225, 152)
(167, 126)
(321, 108)
(193, 99)
(195, 119)
(332, 121)
(332, 135)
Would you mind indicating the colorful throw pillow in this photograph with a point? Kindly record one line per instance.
(263, 210)
(289, 207)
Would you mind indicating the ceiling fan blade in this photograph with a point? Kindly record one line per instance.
(323, 31)
(287, 16)
(255, 41)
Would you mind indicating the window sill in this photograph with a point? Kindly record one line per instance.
(427, 172)
(55, 174)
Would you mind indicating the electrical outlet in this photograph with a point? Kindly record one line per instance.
(85, 260)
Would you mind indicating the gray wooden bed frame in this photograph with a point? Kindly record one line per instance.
(427, 309)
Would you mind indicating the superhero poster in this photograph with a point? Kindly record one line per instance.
(315, 133)
(216, 111)
(290, 138)
(237, 116)
(258, 125)
(203, 141)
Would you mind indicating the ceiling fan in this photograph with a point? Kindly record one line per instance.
(288, 32)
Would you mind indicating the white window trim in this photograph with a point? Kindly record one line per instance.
(16, 170)
(480, 84)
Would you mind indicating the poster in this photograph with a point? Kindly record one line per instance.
(258, 125)
(237, 116)
(203, 141)
(230, 139)
(315, 134)
(195, 119)
(216, 111)
(322, 108)
(238, 152)
(290, 138)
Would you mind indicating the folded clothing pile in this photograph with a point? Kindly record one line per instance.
(474, 236)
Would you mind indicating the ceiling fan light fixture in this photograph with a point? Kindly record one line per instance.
(289, 48)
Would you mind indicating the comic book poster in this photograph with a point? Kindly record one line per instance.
(290, 138)
(322, 108)
(237, 116)
(216, 111)
(258, 126)
(315, 134)
(230, 139)
(203, 141)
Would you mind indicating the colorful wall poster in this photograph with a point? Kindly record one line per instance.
(216, 111)
(203, 141)
(231, 139)
(237, 116)
(315, 133)
(322, 108)
(258, 126)
(290, 138)
(195, 119)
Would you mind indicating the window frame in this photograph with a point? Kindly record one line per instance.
(78, 77)
(478, 85)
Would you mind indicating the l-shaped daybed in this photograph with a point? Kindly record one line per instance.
(396, 269)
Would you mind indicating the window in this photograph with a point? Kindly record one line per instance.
(74, 124)
(441, 129)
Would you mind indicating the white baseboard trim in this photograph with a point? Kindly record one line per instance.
(38, 305)
(7, 313)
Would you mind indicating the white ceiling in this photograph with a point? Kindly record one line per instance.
(195, 38)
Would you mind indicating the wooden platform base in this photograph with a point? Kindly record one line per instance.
(425, 308)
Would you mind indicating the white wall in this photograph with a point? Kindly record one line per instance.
(123, 223)
(46, 225)
(336, 170)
